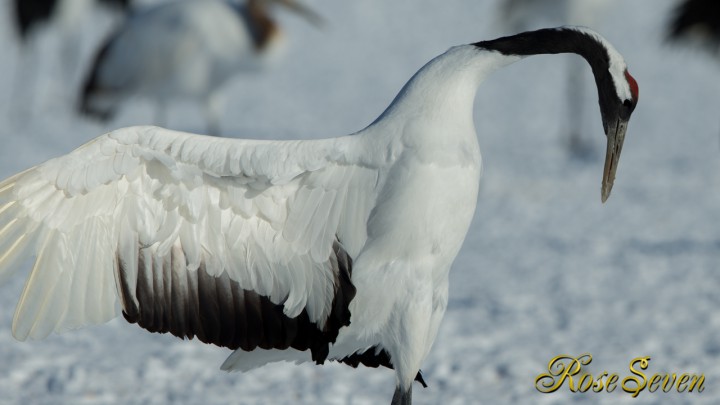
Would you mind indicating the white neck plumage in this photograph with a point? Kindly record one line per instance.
(440, 95)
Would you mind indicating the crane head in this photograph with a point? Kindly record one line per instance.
(617, 89)
(616, 110)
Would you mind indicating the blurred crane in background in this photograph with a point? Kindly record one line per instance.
(184, 50)
(697, 23)
(31, 17)
(523, 15)
(30, 14)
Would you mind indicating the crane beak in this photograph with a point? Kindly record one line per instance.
(615, 137)
(313, 17)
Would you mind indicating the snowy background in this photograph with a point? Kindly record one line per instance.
(545, 270)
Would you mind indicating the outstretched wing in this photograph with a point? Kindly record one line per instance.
(241, 243)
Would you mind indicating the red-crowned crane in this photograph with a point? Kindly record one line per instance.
(697, 21)
(183, 49)
(330, 249)
(64, 16)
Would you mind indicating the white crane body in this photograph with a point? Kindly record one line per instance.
(311, 250)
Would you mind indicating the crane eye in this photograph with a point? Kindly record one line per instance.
(627, 108)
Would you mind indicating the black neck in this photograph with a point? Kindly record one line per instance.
(561, 40)
(552, 41)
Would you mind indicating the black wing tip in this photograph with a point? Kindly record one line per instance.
(375, 357)
(420, 378)
(167, 298)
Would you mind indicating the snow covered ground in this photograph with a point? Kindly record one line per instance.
(545, 270)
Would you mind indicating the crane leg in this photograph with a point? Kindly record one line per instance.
(402, 397)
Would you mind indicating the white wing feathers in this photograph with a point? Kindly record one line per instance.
(266, 212)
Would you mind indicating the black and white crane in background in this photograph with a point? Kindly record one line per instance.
(65, 18)
(184, 50)
(697, 23)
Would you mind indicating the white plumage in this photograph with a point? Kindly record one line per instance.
(284, 250)
(226, 202)
(183, 50)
